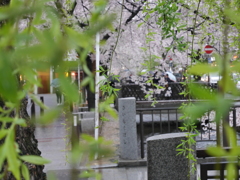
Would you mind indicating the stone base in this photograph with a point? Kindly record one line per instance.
(163, 162)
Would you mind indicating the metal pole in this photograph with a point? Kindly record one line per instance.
(79, 77)
(35, 86)
(96, 132)
(51, 78)
(74, 143)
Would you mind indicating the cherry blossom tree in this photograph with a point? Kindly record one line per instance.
(172, 33)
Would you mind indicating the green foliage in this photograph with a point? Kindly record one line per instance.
(42, 44)
(216, 101)
(202, 68)
(151, 62)
(226, 15)
(35, 159)
(168, 20)
(232, 155)
(226, 70)
(106, 83)
(105, 106)
(104, 119)
(10, 152)
(186, 147)
(91, 148)
(25, 172)
(168, 17)
(49, 116)
(90, 173)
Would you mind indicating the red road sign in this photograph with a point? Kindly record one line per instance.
(208, 49)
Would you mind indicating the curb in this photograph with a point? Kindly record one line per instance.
(132, 163)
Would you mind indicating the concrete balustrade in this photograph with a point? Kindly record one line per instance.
(162, 159)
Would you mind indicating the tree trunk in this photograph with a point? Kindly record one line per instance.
(90, 94)
(25, 137)
(28, 144)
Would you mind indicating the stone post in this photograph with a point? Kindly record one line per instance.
(128, 148)
(87, 122)
(162, 159)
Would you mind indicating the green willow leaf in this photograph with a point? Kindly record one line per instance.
(8, 83)
(3, 133)
(35, 159)
(25, 172)
(201, 91)
(232, 171)
(14, 12)
(216, 151)
(3, 155)
(37, 101)
(21, 122)
(6, 119)
(49, 116)
(69, 89)
(233, 15)
(201, 69)
(13, 162)
(198, 110)
(231, 135)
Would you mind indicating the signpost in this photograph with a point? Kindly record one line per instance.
(208, 49)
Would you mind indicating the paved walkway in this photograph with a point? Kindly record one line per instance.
(52, 144)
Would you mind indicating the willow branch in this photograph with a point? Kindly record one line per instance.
(194, 26)
(119, 29)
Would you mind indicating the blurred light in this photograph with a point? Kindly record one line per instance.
(73, 73)
(235, 57)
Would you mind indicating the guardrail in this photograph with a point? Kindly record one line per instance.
(208, 170)
(83, 122)
(153, 121)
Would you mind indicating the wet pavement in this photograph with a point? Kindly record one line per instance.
(53, 143)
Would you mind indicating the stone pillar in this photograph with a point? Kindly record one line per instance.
(87, 122)
(162, 159)
(128, 148)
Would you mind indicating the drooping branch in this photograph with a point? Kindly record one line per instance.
(134, 11)
(119, 30)
(132, 3)
(106, 37)
(85, 11)
(205, 17)
(192, 29)
(133, 14)
(71, 10)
